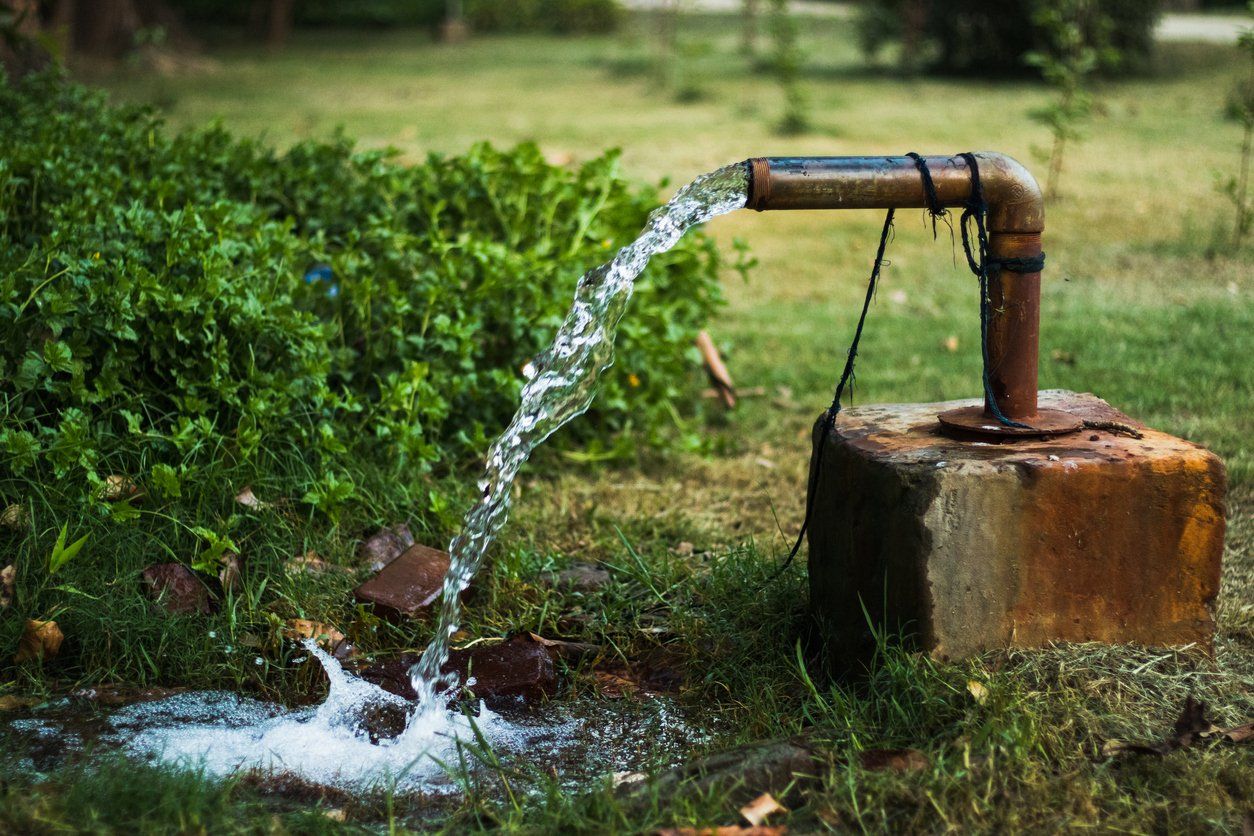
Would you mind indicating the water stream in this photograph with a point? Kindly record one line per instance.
(561, 387)
(329, 744)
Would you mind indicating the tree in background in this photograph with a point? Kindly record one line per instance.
(749, 27)
(1078, 46)
(786, 60)
(1236, 187)
(990, 37)
(21, 50)
(678, 53)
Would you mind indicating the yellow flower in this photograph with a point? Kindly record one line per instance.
(633, 380)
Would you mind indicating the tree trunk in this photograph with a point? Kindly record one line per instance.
(913, 24)
(280, 23)
(105, 28)
(61, 26)
(20, 51)
(749, 27)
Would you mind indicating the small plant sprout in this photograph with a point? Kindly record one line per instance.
(1078, 33)
(1240, 108)
(785, 62)
(63, 554)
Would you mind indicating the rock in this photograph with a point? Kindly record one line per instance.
(580, 577)
(176, 588)
(384, 546)
(407, 585)
(519, 668)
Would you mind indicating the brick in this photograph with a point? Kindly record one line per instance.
(518, 669)
(407, 585)
(969, 546)
(176, 588)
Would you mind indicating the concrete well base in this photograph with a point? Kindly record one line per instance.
(969, 546)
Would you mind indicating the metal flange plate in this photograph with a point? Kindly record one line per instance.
(974, 421)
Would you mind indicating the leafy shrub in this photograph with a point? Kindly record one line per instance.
(991, 37)
(170, 301)
(557, 16)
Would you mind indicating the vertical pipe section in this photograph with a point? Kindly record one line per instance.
(1016, 219)
(1014, 328)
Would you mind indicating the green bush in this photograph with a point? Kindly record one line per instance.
(992, 37)
(170, 301)
(557, 16)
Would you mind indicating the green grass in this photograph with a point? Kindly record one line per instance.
(1144, 304)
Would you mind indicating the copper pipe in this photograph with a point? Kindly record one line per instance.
(1016, 219)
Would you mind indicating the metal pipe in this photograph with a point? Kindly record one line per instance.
(1016, 219)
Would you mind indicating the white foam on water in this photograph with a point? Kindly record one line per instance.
(223, 734)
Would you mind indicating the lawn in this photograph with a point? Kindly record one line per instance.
(1145, 303)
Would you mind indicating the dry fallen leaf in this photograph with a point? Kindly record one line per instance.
(570, 651)
(1240, 734)
(895, 760)
(8, 576)
(230, 576)
(248, 499)
(761, 808)
(978, 692)
(9, 702)
(1190, 727)
(14, 517)
(613, 685)
(39, 639)
(117, 487)
(311, 562)
(303, 628)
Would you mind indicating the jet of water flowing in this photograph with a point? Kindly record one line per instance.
(561, 386)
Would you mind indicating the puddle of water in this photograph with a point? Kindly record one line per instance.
(337, 744)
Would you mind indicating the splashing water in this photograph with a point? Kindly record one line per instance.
(333, 743)
(561, 387)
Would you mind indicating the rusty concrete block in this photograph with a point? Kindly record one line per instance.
(968, 546)
(407, 585)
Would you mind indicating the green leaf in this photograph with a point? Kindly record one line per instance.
(165, 480)
(58, 356)
(63, 554)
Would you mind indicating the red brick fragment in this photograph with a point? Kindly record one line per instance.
(407, 585)
(176, 588)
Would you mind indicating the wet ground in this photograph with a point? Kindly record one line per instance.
(577, 742)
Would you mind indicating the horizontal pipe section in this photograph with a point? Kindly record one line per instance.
(1016, 219)
(1013, 197)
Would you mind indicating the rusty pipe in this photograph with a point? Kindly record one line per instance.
(1016, 219)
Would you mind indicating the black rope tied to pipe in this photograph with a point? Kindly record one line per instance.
(976, 212)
